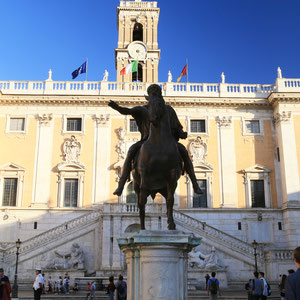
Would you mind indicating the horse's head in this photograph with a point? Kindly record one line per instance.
(156, 109)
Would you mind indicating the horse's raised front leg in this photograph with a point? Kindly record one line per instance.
(142, 200)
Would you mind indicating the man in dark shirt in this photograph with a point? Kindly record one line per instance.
(292, 283)
(140, 115)
(5, 288)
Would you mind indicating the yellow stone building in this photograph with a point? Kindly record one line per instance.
(62, 149)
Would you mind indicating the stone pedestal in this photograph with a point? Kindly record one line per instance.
(157, 264)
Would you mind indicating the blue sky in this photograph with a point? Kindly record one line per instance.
(245, 39)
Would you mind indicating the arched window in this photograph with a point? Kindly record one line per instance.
(137, 32)
(138, 76)
(130, 194)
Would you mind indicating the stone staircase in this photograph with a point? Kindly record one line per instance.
(215, 237)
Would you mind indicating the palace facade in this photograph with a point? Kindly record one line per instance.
(62, 150)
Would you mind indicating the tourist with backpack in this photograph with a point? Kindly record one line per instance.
(256, 287)
(121, 289)
(266, 287)
(213, 287)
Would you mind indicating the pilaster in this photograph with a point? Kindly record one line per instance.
(43, 161)
(227, 161)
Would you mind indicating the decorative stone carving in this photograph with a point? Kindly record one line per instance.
(198, 150)
(224, 121)
(102, 119)
(284, 116)
(204, 261)
(72, 149)
(120, 150)
(73, 259)
(44, 119)
(105, 76)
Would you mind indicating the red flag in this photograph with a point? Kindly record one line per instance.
(183, 72)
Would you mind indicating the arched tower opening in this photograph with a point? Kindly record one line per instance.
(137, 32)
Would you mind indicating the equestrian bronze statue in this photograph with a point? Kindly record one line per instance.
(157, 161)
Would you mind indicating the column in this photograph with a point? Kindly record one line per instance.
(43, 161)
(157, 264)
(102, 150)
(227, 162)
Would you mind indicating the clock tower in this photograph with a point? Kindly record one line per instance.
(137, 26)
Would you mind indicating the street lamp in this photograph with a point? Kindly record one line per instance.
(15, 285)
(255, 254)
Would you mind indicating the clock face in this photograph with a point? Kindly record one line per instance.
(137, 50)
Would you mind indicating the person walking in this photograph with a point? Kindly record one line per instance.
(292, 283)
(256, 286)
(213, 287)
(5, 288)
(93, 290)
(265, 291)
(38, 284)
(111, 288)
(88, 294)
(121, 289)
(282, 287)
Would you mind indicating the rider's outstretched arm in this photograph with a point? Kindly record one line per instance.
(122, 110)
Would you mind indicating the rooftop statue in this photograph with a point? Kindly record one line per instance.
(158, 159)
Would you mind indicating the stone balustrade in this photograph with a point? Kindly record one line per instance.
(208, 231)
(170, 89)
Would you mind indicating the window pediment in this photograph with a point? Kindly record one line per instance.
(70, 167)
(257, 169)
(203, 167)
(11, 167)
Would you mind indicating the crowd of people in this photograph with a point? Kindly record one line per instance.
(258, 288)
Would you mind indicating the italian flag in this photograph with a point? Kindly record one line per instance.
(130, 68)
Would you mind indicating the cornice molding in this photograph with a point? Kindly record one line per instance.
(103, 100)
(276, 98)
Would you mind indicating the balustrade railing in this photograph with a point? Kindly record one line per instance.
(206, 230)
(171, 89)
(56, 232)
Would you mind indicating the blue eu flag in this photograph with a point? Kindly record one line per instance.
(80, 70)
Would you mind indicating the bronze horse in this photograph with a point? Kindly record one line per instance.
(158, 164)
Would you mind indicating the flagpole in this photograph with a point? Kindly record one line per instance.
(86, 69)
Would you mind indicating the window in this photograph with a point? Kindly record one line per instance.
(257, 193)
(201, 200)
(130, 195)
(197, 126)
(133, 126)
(71, 193)
(257, 186)
(252, 126)
(10, 192)
(74, 124)
(17, 124)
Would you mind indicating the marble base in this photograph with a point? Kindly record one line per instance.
(157, 264)
(196, 278)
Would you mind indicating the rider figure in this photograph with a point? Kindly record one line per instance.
(139, 113)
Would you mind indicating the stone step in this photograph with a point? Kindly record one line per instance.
(101, 295)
